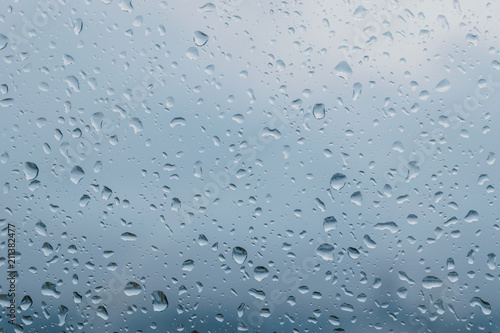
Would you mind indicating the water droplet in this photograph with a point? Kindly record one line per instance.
(356, 91)
(76, 174)
(49, 289)
(402, 292)
(472, 216)
(391, 226)
(78, 26)
(34, 185)
(62, 313)
(7, 102)
(26, 303)
(443, 85)
(160, 302)
(239, 255)
(43, 86)
(260, 273)
(453, 277)
(485, 306)
(132, 289)
(337, 182)
(136, 124)
(192, 53)
(41, 229)
(325, 251)
(84, 200)
(102, 312)
(208, 7)
(343, 70)
(353, 253)
(370, 243)
(73, 83)
(412, 219)
(4, 158)
(179, 121)
(319, 111)
(202, 240)
(128, 236)
(30, 170)
(329, 223)
(360, 13)
(275, 133)
(188, 265)
(430, 282)
(200, 38)
(334, 320)
(357, 198)
(3, 41)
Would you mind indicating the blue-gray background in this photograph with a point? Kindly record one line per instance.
(143, 142)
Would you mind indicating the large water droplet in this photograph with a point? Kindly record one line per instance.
(472, 216)
(391, 226)
(485, 306)
(30, 170)
(357, 198)
(338, 181)
(76, 174)
(4, 158)
(430, 282)
(329, 223)
(443, 85)
(260, 273)
(136, 124)
(200, 38)
(128, 236)
(26, 303)
(319, 111)
(179, 121)
(41, 229)
(132, 289)
(192, 53)
(188, 265)
(343, 70)
(102, 312)
(239, 255)
(160, 302)
(78, 26)
(356, 91)
(3, 41)
(49, 289)
(325, 251)
(360, 13)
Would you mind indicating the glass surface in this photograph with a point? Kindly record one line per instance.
(249, 166)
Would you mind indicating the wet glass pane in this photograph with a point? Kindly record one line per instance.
(249, 166)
